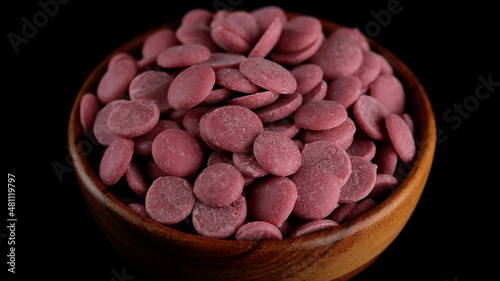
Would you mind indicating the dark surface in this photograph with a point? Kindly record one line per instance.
(450, 48)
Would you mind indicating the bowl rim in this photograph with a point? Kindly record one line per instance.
(425, 135)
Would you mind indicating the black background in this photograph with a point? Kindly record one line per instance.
(448, 46)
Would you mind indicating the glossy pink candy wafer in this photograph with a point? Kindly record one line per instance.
(158, 42)
(218, 185)
(320, 115)
(401, 137)
(89, 106)
(388, 90)
(191, 121)
(269, 75)
(328, 156)
(177, 152)
(219, 222)
(361, 181)
(276, 153)
(152, 85)
(183, 55)
(257, 231)
(369, 114)
(139, 208)
(115, 161)
(344, 90)
(233, 79)
(272, 200)
(133, 118)
(169, 200)
(191, 87)
(115, 82)
(232, 128)
(318, 192)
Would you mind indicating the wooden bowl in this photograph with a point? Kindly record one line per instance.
(335, 254)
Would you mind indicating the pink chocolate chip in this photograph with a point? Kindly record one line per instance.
(337, 58)
(298, 34)
(116, 160)
(386, 158)
(248, 165)
(158, 42)
(370, 114)
(268, 40)
(115, 82)
(233, 79)
(254, 101)
(219, 222)
(183, 55)
(191, 87)
(169, 200)
(137, 179)
(342, 135)
(318, 192)
(281, 108)
(218, 185)
(307, 76)
(133, 118)
(269, 75)
(312, 227)
(272, 200)
(276, 153)
(142, 144)
(388, 90)
(257, 231)
(344, 90)
(320, 115)
(177, 152)
(232, 128)
(152, 85)
(89, 106)
(361, 181)
(328, 156)
(401, 137)
(101, 130)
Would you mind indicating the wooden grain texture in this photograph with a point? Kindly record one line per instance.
(335, 254)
